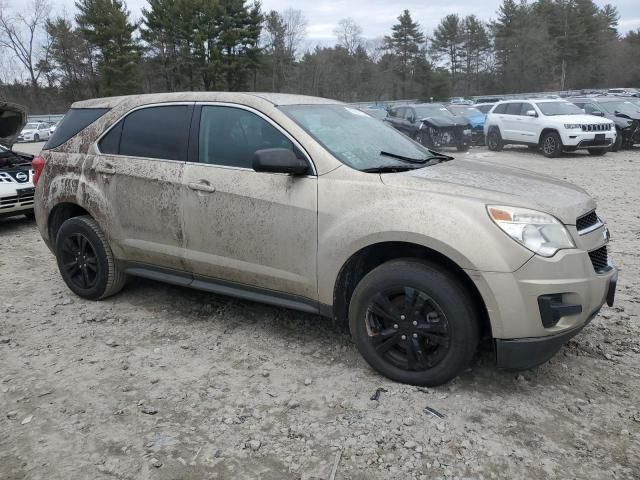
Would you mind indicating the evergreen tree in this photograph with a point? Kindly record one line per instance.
(105, 25)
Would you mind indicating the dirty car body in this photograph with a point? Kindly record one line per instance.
(432, 125)
(310, 204)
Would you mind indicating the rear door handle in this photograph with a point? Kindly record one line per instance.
(202, 187)
(106, 169)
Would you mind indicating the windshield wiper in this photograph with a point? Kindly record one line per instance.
(420, 161)
(389, 169)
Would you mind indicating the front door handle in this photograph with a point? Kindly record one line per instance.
(202, 187)
(106, 169)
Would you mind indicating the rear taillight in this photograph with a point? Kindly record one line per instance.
(38, 165)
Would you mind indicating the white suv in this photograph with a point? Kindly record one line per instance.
(553, 125)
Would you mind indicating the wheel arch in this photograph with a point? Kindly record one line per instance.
(374, 255)
(545, 131)
(61, 213)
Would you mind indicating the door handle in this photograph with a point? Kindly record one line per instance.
(106, 169)
(202, 187)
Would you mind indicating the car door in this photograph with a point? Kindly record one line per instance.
(528, 126)
(138, 171)
(410, 124)
(396, 118)
(248, 228)
(512, 121)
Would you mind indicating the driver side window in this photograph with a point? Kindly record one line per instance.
(590, 109)
(230, 136)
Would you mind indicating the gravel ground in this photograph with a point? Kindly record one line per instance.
(162, 382)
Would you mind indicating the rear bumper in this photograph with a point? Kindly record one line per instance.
(524, 353)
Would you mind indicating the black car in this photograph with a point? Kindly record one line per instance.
(623, 112)
(432, 125)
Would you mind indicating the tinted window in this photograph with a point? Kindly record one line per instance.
(156, 132)
(409, 114)
(514, 108)
(74, 121)
(110, 143)
(502, 108)
(230, 136)
(590, 108)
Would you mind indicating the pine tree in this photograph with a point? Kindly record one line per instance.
(105, 25)
(406, 44)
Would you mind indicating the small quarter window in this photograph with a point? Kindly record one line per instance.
(502, 108)
(76, 120)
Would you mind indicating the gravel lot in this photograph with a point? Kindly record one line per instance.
(162, 382)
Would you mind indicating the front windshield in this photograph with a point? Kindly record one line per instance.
(355, 138)
(622, 107)
(31, 126)
(559, 108)
(468, 111)
(432, 111)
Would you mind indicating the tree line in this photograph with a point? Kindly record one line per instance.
(235, 45)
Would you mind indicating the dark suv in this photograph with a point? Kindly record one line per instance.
(624, 113)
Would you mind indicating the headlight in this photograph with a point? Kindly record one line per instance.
(538, 231)
(572, 126)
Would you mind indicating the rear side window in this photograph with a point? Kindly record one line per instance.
(152, 132)
(514, 109)
(525, 108)
(502, 108)
(76, 120)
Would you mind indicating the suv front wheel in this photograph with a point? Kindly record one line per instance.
(85, 259)
(413, 322)
(551, 145)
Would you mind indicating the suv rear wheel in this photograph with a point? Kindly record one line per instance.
(551, 145)
(494, 140)
(85, 259)
(413, 322)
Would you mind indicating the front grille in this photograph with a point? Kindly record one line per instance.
(600, 259)
(587, 221)
(9, 202)
(596, 127)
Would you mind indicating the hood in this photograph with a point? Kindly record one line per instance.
(12, 118)
(493, 184)
(475, 120)
(628, 116)
(445, 121)
(589, 119)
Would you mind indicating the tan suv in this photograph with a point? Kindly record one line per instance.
(310, 204)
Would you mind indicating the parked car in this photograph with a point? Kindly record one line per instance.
(16, 174)
(34, 132)
(432, 125)
(311, 204)
(624, 113)
(474, 117)
(484, 107)
(633, 92)
(52, 128)
(554, 126)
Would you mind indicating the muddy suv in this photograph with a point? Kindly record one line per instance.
(310, 204)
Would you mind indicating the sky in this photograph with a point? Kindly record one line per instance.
(377, 16)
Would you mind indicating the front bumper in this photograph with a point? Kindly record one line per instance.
(580, 139)
(523, 353)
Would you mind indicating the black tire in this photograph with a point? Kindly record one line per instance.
(36, 138)
(494, 140)
(597, 152)
(85, 260)
(441, 342)
(423, 138)
(551, 145)
(617, 145)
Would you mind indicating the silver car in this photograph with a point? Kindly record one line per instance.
(311, 204)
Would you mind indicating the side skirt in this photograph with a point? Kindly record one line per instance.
(231, 289)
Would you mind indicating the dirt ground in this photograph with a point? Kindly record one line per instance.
(162, 382)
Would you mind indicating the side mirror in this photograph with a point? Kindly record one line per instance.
(531, 113)
(279, 160)
(597, 113)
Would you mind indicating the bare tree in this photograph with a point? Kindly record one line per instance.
(349, 35)
(295, 29)
(24, 34)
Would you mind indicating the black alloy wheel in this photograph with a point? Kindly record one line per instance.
(494, 141)
(408, 329)
(79, 261)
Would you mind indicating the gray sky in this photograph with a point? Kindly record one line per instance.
(377, 16)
